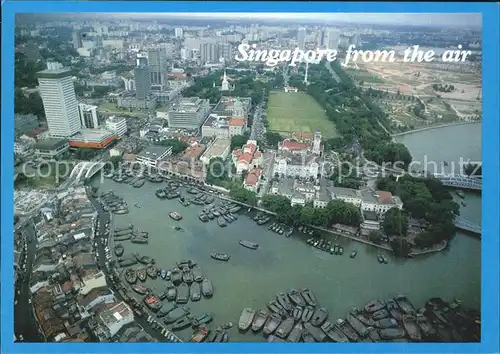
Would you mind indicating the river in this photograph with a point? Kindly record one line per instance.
(252, 278)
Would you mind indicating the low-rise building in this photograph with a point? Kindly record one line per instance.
(380, 202)
(117, 126)
(188, 113)
(370, 222)
(218, 148)
(96, 297)
(114, 318)
(248, 157)
(302, 165)
(347, 195)
(252, 179)
(152, 155)
(92, 139)
(51, 149)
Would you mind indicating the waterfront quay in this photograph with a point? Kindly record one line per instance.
(250, 278)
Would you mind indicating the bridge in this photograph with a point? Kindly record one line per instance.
(460, 181)
(86, 169)
(466, 225)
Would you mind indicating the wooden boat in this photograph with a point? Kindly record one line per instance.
(207, 288)
(248, 244)
(175, 215)
(141, 274)
(130, 276)
(246, 318)
(319, 316)
(296, 333)
(272, 322)
(220, 256)
(119, 249)
(296, 298)
(200, 334)
(259, 320)
(285, 327)
(309, 297)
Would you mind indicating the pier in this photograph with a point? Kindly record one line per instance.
(466, 225)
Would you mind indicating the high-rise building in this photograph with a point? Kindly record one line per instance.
(141, 61)
(158, 66)
(117, 125)
(59, 102)
(186, 54)
(301, 38)
(208, 53)
(179, 32)
(88, 116)
(142, 82)
(321, 38)
(332, 39)
(225, 50)
(77, 39)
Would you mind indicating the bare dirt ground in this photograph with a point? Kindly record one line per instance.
(416, 79)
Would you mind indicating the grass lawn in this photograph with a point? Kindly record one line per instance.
(297, 112)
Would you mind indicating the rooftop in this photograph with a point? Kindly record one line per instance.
(153, 152)
(115, 314)
(384, 197)
(217, 148)
(344, 192)
(370, 215)
(92, 135)
(54, 73)
(253, 177)
(50, 144)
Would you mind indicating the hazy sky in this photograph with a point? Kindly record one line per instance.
(436, 19)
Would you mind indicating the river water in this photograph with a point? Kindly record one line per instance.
(252, 278)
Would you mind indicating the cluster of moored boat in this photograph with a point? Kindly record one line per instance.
(114, 203)
(261, 218)
(327, 246)
(128, 233)
(225, 213)
(295, 317)
(281, 229)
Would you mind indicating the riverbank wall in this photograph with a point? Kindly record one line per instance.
(433, 127)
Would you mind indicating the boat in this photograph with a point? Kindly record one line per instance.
(307, 337)
(334, 333)
(272, 322)
(163, 273)
(200, 334)
(197, 274)
(405, 304)
(362, 318)
(126, 262)
(119, 249)
(319, 317)
(178, 228)
(175, 215)
(209, 200)
(152, 271)
(380, 314)
(141, 274)
(411, 327)
(207, 288)
(263, 220)
(123, 238)
(346, 328)
(171, 291)
(284, 301)
(184, 201)
(195, 292)
(182, 323)
(217, 335)
(139, 183)
(460, 194)
(425, 325)
(176, 314)
(176, 276)
(353, 254)
(187, 276)
(358, 326)
(202, 319)
(130, 276)
(165, 310)
(394, 310)
(192, 191)
(374, 306)
(246, 318)
(392, 333)
(307, 314)
(296, 298)
(140, 240)
(259, 320)
(221, 221)
(297, 313)
(128, 227)
(162, 296)
(152, 302)
(308, 297)
(296, 333)
(276, 308)
(140, 289)
(182, 294)
(220, 256)
(373, 334)
(274, 339)
(203, 217)
(143, 259)
(317, 333)
(248, 244)
(285, 327)
(386, 323)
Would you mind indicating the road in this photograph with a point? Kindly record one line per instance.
(269, 157)
(25, 323)
(258, 129)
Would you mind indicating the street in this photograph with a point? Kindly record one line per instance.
(25, 324)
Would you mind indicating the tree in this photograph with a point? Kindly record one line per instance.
(273, 139)
(375, 236)
(177, 145)
(400, 246)
(241, 194)
(237, 141)
(395, 222)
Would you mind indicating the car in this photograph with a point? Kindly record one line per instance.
(29, 301)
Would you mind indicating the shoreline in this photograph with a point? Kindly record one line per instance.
(433, 127)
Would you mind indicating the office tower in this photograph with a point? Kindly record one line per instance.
(88, 116)
(59, 102)
(157, 63)
(179, 32)
(141, 61)
(321, 38)
(142, 82)
(225, 50)
(208, 53)
(77, 39)
(301, 38)
(332, 40)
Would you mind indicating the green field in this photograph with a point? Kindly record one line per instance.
(297, 112)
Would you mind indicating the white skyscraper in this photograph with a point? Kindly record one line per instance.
(179, 32)
(59, 102)
(301, 38)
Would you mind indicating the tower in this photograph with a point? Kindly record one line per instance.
(225, 83)
(305, 76)
(59, 102)
(317, 143)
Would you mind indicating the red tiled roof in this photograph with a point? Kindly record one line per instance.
(245, 157)
(237, 122)
(253, 177)
(384, 197)
(294, 145)
(257, 155)
(178, 76)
